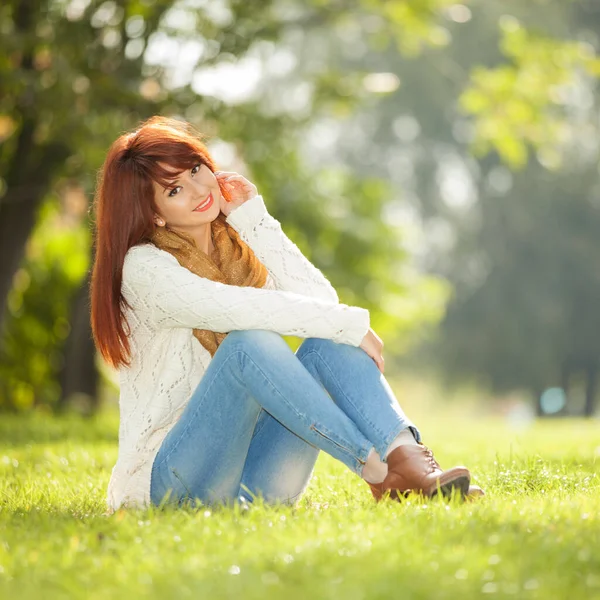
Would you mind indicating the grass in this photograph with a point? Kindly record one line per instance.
(535, 535)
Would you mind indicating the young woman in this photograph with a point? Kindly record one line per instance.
(193, 285)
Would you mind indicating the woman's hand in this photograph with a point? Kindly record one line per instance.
(372, 344)
(238, 188)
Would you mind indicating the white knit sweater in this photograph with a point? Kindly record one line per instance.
(167, 362)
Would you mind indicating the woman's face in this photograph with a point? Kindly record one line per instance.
(180, 205)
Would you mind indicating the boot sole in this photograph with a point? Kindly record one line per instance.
(460, 483)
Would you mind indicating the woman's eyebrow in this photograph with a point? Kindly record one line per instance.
(171, 185)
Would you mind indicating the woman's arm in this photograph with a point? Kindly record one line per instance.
(290, 269)
(168, 295)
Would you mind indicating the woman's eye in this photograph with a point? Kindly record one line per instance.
(174, 190)
(196, 169)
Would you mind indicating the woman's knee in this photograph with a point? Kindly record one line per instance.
(253, 336)
(314, 344)
(253, 341)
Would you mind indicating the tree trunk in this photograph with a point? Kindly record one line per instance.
(537, 396)
(79, 375)
(30, 168)
(565, 384)
(590, 391)
(18, 208)
(565, 381)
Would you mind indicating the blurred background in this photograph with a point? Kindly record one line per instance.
(437, 160)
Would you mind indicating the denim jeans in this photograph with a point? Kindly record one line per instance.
(261, 413)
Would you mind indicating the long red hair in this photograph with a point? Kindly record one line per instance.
(124, 208)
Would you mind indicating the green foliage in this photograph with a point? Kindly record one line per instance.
(31, 355)
(526, 101)
(413, 25)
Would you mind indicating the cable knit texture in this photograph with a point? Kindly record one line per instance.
(167, 362)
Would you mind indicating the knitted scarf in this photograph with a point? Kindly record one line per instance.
(232, 262)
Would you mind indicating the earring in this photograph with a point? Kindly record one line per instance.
(160, 222)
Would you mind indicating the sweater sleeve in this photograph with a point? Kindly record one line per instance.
(168, 295)
(290, 269)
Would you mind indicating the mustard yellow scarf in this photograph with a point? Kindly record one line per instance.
(232, 262)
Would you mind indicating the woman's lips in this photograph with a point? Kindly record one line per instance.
(210, 203)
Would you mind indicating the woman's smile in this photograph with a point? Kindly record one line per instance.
(205, 204)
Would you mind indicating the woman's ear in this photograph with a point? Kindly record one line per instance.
(159, 221)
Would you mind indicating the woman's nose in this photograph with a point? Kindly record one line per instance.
(201, 188)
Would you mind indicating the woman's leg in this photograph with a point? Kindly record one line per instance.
(358, 387)
(279, 463)
(204, 453)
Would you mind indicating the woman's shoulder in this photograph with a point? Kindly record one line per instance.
(146, 252)
(143, 259)
(141, 250)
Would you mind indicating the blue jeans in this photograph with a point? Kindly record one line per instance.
(261, 413)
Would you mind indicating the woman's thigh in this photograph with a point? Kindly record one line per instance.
(279, 464)
(203, 454)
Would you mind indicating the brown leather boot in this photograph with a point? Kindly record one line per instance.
(414, 469)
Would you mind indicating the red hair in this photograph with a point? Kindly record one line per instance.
(124, 208)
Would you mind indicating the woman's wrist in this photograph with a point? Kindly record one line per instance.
(248, 214)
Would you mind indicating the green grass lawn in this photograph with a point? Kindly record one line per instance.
(535, 535)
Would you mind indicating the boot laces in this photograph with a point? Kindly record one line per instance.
(429, 454)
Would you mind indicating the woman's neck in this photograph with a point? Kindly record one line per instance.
(202, 236)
